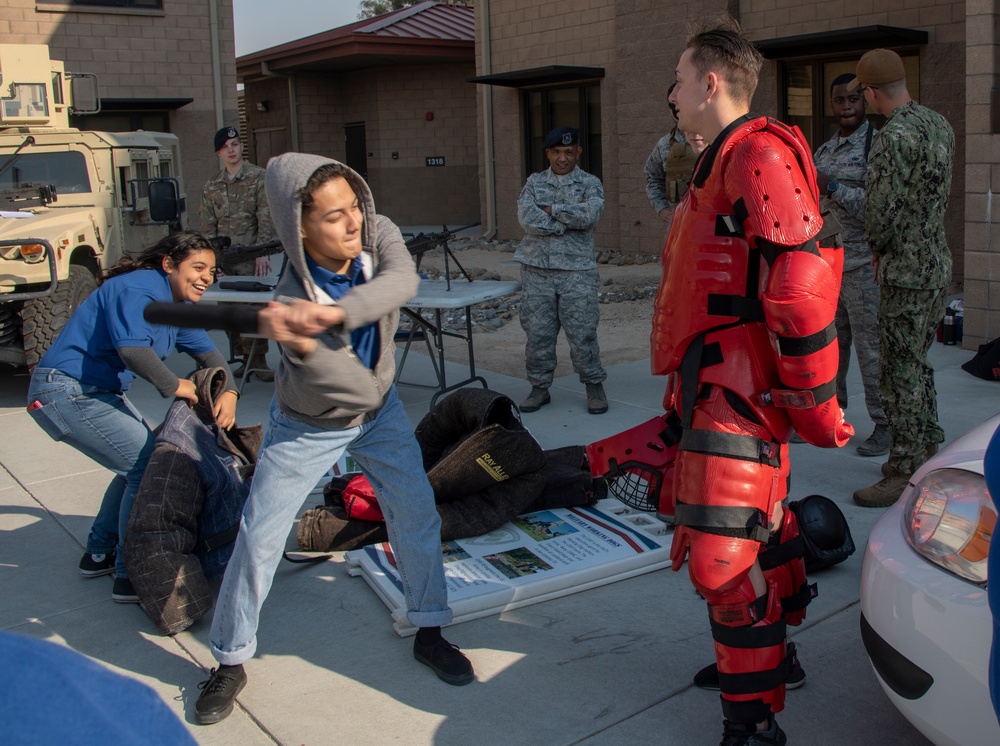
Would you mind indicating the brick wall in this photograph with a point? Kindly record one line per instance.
(942, 67)
(145, 54)
(392, 103)
(982, 175)
(549, 32)
(638, 43)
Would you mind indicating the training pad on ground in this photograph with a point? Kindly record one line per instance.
(535, 557)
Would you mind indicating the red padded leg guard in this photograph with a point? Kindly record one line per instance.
(784, 566)
(750, 654)
(723, 481)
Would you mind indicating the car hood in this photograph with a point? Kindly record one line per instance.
(46, 223)
(965, 452)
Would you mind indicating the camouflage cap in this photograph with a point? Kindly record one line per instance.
(223, 136)
(878, 67)
(560, 137)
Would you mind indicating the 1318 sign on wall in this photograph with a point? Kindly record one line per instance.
(434, 160)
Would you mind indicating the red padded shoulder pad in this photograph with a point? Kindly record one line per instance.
(771, 172)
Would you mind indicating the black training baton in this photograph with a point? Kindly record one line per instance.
(230, 318)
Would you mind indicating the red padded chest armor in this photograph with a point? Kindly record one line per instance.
(699, 260)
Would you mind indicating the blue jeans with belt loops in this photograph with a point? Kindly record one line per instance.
(105, 426)
(293, 458)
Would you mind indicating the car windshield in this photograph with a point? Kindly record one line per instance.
(66, 170)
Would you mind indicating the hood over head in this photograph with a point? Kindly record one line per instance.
(286, 175)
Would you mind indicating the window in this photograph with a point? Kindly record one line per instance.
(805, 89)
(141, 4)
(576, 106)
(67, 170)
(26, 101)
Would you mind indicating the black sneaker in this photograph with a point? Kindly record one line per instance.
(95, 565)
(219, 694)
(123, 593)
(739, 734)
(446, 660)
(708, 677)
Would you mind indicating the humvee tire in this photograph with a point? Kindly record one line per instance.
(43, 318)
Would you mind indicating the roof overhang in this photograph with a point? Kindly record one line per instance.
(143, 104)
(841, 41)
(548, 75)
(346, 55)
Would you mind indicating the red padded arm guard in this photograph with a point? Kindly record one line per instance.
(773, 177)
(800, 302)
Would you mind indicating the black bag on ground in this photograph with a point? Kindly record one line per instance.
(986, 363)
(484, 467)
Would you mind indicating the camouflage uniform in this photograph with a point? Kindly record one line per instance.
(843, 160)
(668, 170)
(559, 275)
(909, 180)
(237, 208)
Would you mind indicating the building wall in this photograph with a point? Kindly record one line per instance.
(638, 43)
(651, 37)
(548, 32)
(942, 67)
(982, 174)
(392, 102)
(145, 54)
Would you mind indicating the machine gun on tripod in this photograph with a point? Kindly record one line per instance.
(232, 255)
(421, 243)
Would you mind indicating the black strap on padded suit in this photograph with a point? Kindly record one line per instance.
(800, 599)
(752, 635)
(776, 555)
(721, 520)
(746, 711)
(740, 306)
(732, 445)
(802, 346)
(757, 681)
(698, 355)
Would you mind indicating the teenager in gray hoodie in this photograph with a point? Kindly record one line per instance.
(349, 274)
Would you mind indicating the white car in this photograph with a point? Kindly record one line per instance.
(925, 619)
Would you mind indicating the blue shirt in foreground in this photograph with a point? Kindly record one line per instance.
(111, 317)
(365, 339)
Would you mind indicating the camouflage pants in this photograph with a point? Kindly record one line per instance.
(908, 322)
(560, 298)
(857, 321)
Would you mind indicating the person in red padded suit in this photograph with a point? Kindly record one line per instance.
(743, 324)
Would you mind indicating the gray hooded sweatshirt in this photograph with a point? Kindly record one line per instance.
(331, 388)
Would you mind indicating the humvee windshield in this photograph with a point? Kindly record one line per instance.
(67, 170)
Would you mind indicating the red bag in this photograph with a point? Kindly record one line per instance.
(360, 501)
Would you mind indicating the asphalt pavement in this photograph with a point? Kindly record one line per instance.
(609, 665)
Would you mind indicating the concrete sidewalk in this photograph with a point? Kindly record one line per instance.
(610, 665)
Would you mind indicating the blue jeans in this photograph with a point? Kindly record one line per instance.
(293, 458)
(105, 426)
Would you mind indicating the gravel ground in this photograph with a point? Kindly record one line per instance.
(628, 285)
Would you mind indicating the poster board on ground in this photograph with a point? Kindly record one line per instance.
(534, 557)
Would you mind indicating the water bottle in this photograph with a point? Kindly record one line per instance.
(949, 331)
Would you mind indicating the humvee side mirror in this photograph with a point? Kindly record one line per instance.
(164, 204)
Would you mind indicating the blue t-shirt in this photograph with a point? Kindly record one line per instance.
(52, 694)
(364, 339)
(991, 469)
(111, 317)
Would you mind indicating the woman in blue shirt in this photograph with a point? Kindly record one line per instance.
(77, 392)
